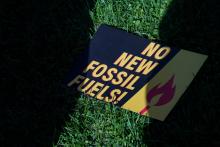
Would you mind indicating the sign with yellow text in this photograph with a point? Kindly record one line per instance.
(134, 73)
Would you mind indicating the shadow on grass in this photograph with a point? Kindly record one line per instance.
(39, 41)
(192, 25)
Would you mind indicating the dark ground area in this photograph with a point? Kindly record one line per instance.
(38, 40)
(192, 25)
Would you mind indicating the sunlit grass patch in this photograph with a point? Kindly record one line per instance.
(97, 123)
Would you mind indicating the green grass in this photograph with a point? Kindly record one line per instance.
(97, 123)
(94, 122)
(138, 16)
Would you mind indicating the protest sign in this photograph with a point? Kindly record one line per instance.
(134, 73)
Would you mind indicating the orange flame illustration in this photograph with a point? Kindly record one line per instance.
(166, 91)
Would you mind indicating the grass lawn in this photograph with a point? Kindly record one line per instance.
(97, 123)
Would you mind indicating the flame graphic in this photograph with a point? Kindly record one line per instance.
(166, 91)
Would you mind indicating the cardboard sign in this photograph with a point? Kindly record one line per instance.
(134, 73)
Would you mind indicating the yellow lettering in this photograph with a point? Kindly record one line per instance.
(120, 97)
(76, 80)
(114, 94)
(127, 80)
(101, 67)
(119, 79)
(95, 88)
(110, 75)
(79, 88)
(133, 62)
(91, 66)
(130, 85)
(146, 66)
(150, 49)
(123, 59)
(88, 86)
(99, 95)
(162, 53)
